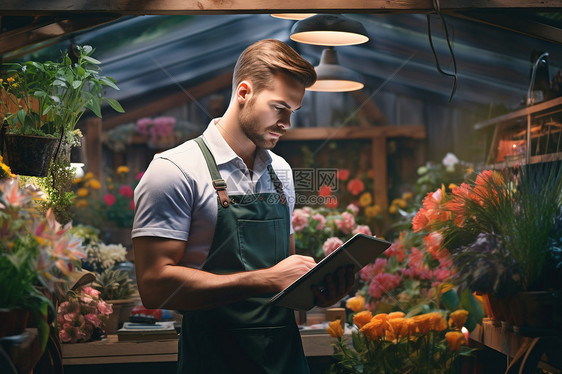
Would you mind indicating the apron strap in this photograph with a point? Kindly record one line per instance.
(218, 183)
(278, 185)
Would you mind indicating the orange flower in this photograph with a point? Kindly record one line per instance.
(335, 329)
(420, 221)
(394, 315)
(455, 340)
(399, 327)
(457, 319)
(374, 329)
(362, 318)
(356, 303)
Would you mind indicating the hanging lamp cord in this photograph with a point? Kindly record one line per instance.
(437, 8)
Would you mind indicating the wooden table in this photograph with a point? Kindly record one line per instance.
(112, 351)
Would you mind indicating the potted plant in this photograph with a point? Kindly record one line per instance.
(504, 235)
(36, 256)
(43, 101)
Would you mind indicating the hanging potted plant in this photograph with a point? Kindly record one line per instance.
(41, 103)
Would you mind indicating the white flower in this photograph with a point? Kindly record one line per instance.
(449, 161)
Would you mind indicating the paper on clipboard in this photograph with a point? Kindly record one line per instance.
(358, 251)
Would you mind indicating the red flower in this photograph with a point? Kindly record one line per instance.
(109, 199)
(420, 221)
(132, 205)
(325, 191)
(355, 186)
(342, 174)
(126, 190)
(332, 202)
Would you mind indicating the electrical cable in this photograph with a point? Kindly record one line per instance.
(453, 75)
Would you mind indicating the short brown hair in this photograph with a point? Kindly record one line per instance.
(263, 59)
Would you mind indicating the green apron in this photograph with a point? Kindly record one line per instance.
(249, 336)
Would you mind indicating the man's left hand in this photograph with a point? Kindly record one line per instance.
(335, 287)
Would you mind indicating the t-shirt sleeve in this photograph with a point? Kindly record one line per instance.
(163, 202)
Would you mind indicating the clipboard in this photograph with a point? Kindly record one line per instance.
(358, 251)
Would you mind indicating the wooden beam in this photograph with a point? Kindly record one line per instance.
(328, 133)
(172, 101)
(48, 29)
(42, 7)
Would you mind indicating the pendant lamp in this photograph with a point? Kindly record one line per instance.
(293, 16)
(332, 77)
(329, 29)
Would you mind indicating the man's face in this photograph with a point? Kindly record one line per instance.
(266, 116)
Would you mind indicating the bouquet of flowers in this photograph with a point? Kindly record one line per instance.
(395, 343)
(82, 316)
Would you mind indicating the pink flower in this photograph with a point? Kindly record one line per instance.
(347, 223)
(139, 176)
(355, 186)
(396, 249)
(143, 125)
(105, 308)
(371, 270)
(126, 190)
(109, 199)
(383, 283)
(91, 291)
(299, 219)
(132, 205)
(331, 244)
(363, 229)
(320, 219)
(353, 208)
(93, 319)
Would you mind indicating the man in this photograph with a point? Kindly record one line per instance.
(212, 234)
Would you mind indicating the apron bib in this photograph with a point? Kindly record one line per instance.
(249, 336)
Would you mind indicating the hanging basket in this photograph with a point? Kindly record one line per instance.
(29, 155)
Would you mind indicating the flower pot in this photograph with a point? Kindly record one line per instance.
(535, 310)
(29, 155)
(13, 321)
(121, 312)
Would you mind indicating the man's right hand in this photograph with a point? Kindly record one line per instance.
(289, 270)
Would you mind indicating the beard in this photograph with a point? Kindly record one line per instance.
(250, 125)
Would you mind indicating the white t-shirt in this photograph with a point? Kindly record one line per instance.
(176, 200)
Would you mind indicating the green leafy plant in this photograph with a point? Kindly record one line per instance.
(49, 98)
(114, 284)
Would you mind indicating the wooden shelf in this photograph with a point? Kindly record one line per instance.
(520, 113)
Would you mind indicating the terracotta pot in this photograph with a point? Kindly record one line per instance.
(13, 321)
(121, 312)
(29, 155)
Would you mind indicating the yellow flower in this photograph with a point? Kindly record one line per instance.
(77, 180)
(95, 184)
(452, 185)
(356, 303)
(111, 187)
(399, 202)
(407, 195)
(122, 169)
(372, 211)
(365, 199)
(82, 192)
(335, 329)
(362, 318)
(393, 209)
(455, 340)
(89, 175)
(81, 203)
(457, 319)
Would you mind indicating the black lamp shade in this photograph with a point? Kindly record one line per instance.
(329, 29)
